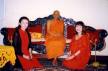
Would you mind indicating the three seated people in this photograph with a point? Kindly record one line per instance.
(79, 51)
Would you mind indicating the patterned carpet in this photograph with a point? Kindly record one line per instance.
(59, 67)
(56, 68)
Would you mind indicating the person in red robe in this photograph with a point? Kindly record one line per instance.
(79, 51)
(22, 46)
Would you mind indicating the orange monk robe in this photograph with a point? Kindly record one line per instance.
(81, 60)
(55, 44)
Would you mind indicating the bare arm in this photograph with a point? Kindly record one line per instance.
(30, 51)
(73, 55)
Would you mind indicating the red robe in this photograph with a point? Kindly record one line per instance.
(79, 61)
(27, 64)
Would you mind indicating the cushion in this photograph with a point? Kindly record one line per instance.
(36, 35)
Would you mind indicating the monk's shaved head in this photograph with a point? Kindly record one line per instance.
(56, 14)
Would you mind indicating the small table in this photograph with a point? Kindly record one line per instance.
(7, 54)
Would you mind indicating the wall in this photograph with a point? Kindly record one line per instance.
(1, 18)
(92, 12)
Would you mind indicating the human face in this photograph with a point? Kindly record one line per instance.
(78, 28)
(56, 14)
(24, 24)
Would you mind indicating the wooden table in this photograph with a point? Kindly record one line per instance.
(7, 54)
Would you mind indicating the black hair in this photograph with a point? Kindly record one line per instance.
(23, 17)
(81, 24)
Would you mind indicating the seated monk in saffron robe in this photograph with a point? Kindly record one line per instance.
(55, 41)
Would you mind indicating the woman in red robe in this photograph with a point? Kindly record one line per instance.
(79, 51)
(21, 43)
